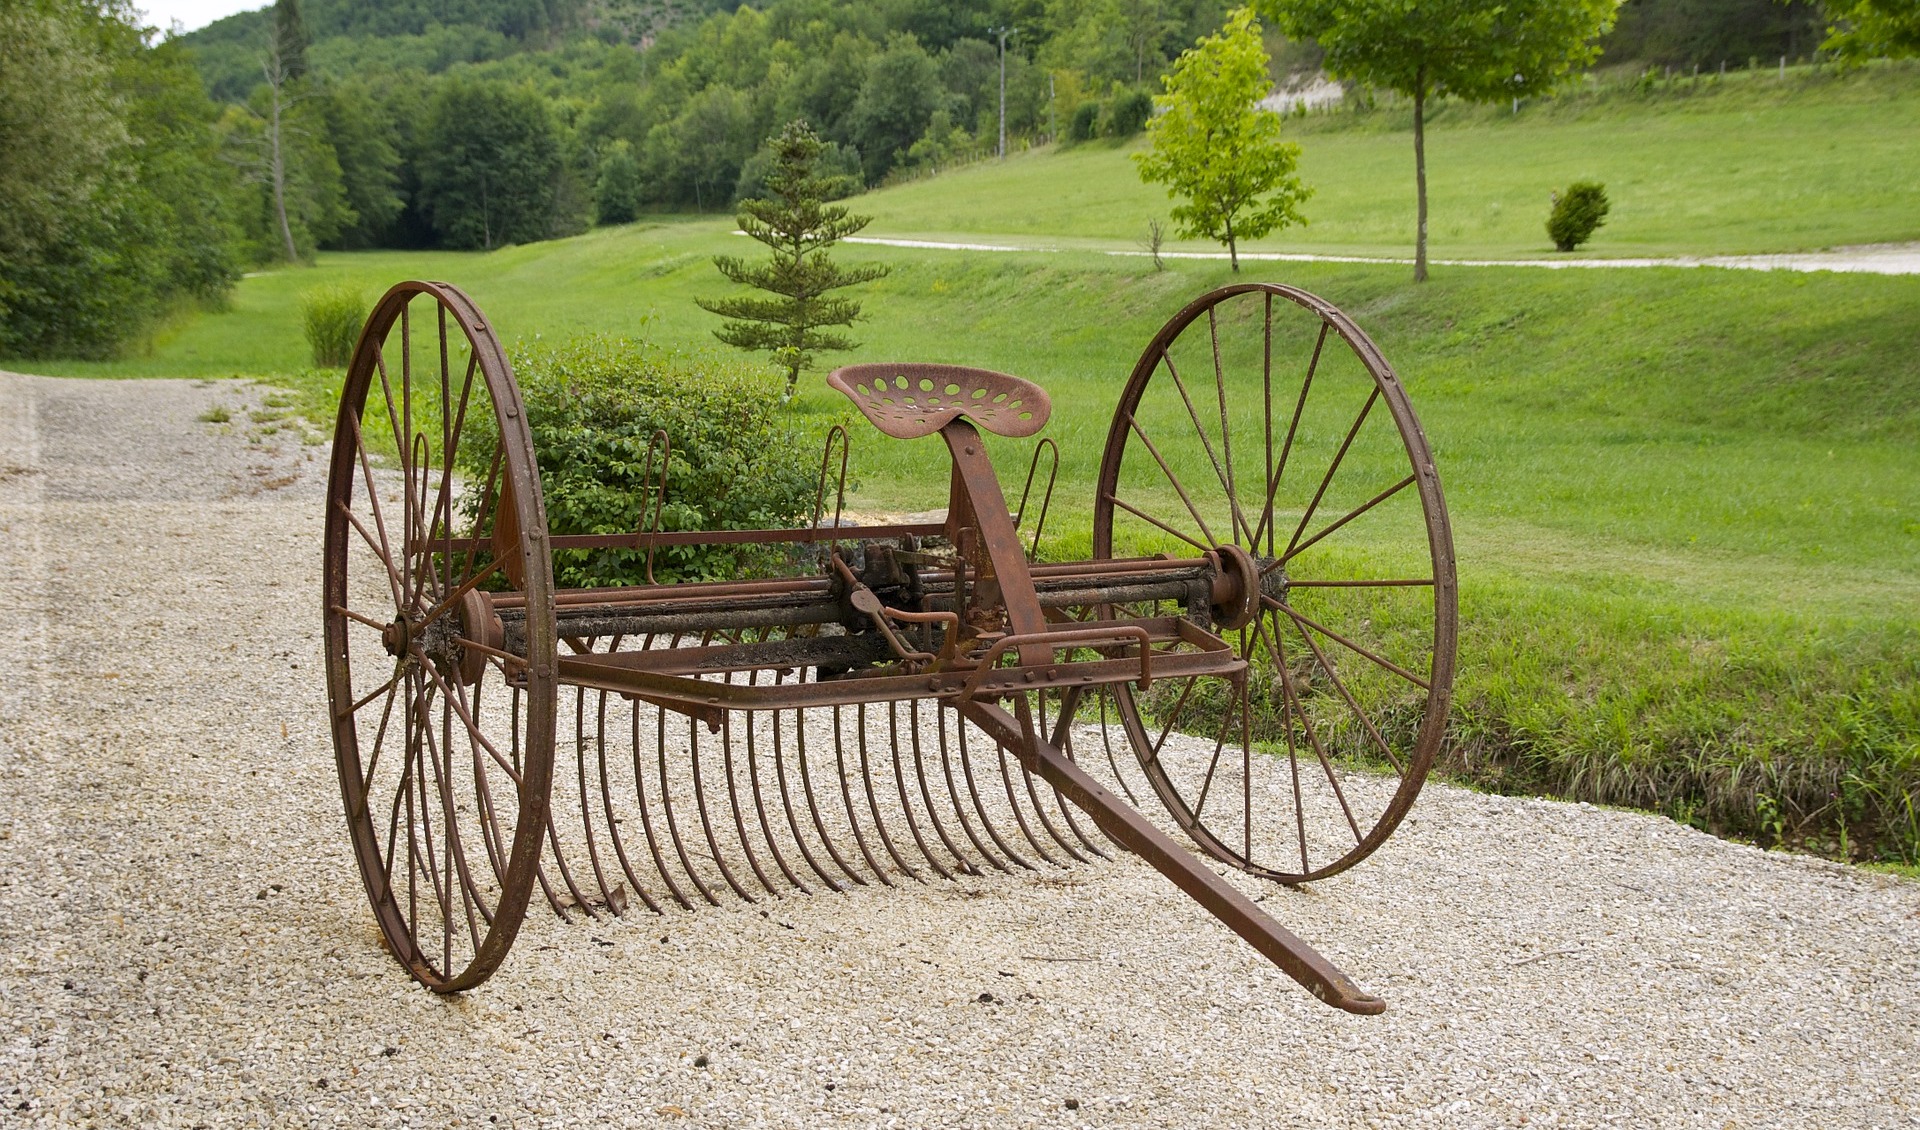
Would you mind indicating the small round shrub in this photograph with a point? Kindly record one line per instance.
(1127, 113)
(1576, 213)
(332, 316)
(738, 462)
(1085, 125)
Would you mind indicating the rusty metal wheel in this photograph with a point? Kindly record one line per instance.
(1262, 424)
(444, 736)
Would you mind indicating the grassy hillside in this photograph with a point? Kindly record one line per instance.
(1683, 498)
(1750, 163)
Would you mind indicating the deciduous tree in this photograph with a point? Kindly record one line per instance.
(1478, 50)
(1219, 152)
(794, 220)
(1864, 28)
(489, 158)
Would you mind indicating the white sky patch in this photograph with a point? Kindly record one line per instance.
(191, 14)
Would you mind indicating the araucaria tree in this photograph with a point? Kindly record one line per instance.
(795, 220)
(1216, 150)
(1477, 50)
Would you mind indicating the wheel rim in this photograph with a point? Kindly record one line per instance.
(1262, 418)
(443, 738)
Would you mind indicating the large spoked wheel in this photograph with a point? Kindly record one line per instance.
(1261, 424)
(443, 733)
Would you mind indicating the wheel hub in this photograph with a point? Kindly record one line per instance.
(397, 636)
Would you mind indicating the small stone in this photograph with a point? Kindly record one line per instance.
(1073, 1104)
(700, 1061)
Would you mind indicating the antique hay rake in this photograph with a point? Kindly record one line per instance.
(1262, 637)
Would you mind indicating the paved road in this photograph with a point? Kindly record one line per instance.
(1880, 259)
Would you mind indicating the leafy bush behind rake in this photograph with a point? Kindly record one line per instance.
(737, 462)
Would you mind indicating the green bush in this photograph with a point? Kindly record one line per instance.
(1127, 113)
(332, 316)
(738, 462)
(1576, 213)
(1085, 124)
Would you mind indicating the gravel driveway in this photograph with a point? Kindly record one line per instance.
(184, 941)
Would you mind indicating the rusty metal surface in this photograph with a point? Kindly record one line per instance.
(1251, 525)
(386, 592)
(879, 719)
(910, 401)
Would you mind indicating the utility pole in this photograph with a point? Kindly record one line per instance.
(1002, 32)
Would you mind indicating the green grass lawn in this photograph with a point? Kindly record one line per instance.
(1751, 164)
(1683, 499)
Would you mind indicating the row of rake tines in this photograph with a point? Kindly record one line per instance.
(763, 784)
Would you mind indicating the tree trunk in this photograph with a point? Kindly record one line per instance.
(1233, 248)
(278, 160)
(1420, 175)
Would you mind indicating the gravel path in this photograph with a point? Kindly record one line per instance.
(184, 942)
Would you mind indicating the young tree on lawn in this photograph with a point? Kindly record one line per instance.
(1478, 50)
(1216, 149)
(795, 221)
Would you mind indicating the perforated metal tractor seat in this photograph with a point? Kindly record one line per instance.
(909, 401)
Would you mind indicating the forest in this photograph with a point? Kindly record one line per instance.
(144, 171)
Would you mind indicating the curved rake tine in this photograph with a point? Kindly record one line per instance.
(846, 798)
(646, 810)
(760, 805)
(900, 782)
(586, 809)
(706, 820)
(953, 793)
(613, 824)
(973, 790)
(733, 802)
(786, 803)
(965, 865)
(813, 803)
(873, 802)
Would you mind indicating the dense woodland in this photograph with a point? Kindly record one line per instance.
(142, 172)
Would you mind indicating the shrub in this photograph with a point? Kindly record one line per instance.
(737, 462)
(1127, 114)
(332, 316)
(1576, 213)
(1085, 125)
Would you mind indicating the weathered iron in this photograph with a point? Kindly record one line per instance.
(920, 700)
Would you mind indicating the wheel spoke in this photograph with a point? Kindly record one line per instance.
(1193, 414)
(1144, 516)
(385, 548)
(1296, 709)
(1336, 637)
(1226, 432)
(1350, 516)
(1286, 450)
(1402, 582)
(1332, 469)
(1179, 488)
(1333, 676)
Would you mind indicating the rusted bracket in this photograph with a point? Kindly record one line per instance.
(1057, 639)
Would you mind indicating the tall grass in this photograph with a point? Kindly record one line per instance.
(332, 316)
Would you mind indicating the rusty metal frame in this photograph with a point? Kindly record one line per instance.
(977, 632)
